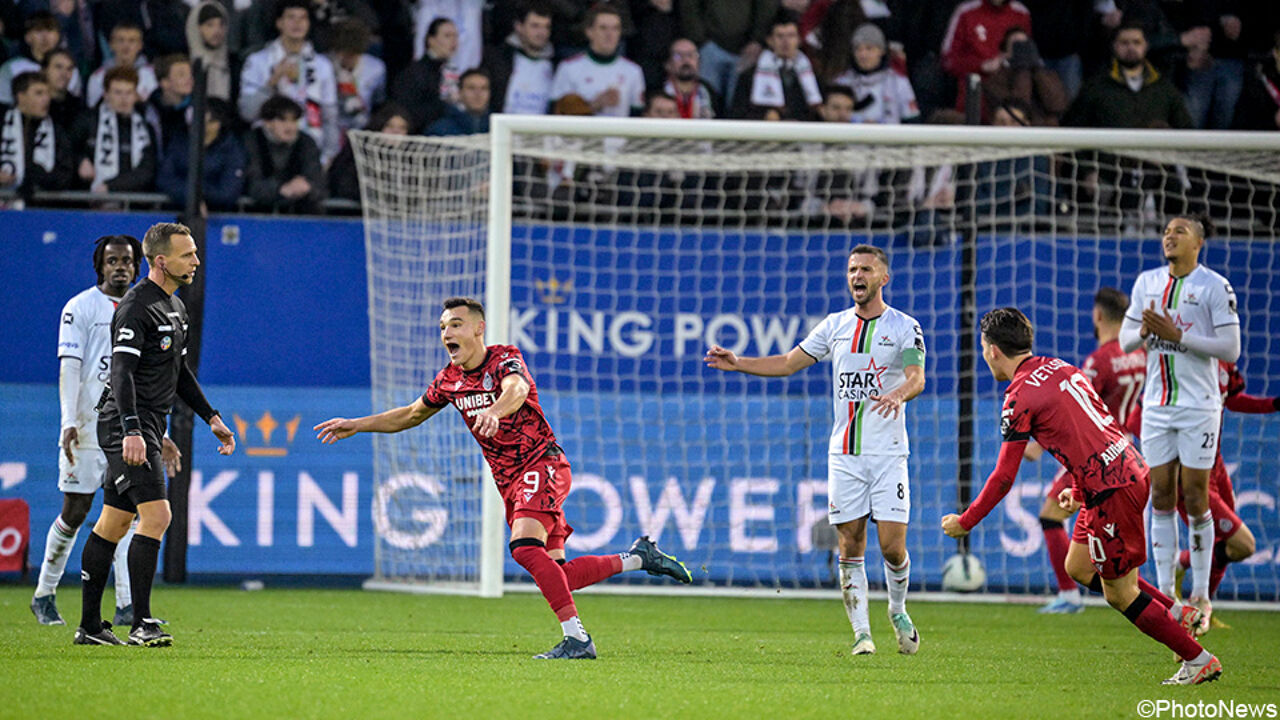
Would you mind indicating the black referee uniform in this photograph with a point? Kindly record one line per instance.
(149, 334)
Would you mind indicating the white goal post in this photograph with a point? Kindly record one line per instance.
(612, 249)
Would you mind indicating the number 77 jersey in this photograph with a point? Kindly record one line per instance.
(1053, 402)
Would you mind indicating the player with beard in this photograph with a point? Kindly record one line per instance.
(1054, 403)
(877, 359)
(148, 371)
(1185, 314)
(498, 399)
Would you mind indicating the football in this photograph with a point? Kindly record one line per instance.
(963, 573)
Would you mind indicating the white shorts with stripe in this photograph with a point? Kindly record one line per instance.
(84, 476)
(868, 485)
(1188, 435)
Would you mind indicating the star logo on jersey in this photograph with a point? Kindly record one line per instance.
(1110, 529)
(877, 369)
(1183, 325)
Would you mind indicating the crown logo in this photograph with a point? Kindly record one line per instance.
(267, 425)
(551, 291)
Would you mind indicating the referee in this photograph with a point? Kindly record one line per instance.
(149, 333)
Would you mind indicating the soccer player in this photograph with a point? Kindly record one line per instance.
(149, 333)
(84, 359)
(1054, 402)
(1186, 315)
(877, 359)
(498, 399)
(1233, 540)
(1117, 377)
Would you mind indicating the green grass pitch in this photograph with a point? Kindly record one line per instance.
(289, 653)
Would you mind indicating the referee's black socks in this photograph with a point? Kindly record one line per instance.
(143, 552)
(95, 565)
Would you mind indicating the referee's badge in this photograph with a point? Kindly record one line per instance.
(166, 342)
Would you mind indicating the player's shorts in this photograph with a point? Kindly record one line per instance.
(1061, 482)
(868, 485)
(84, 476)
(128, 486)
(1188, 435)
(1114, 531)
(539, 492)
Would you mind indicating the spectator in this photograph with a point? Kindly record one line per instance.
(1011, 189)
(1131, 94)
(1063, 29)
(824, 29)
(116, 150)
(660, 105)
(729, 34)
(473, 117)
(882, 93)
(76, 19)
(327, 15)
(284, 172)
(972, 44)
(1215, 64)
(224, 161)
(840, 195)
(424, 88)
(520, 68)
(343, 178)
(782, 79)
(166, 110)
(657, 26)
(35, 154)
(207, 37)
(362, 78)
(162, 22)
(126, 52)
(611, 83)
(1012, 112)
(290, 66)
(1023, 76)
(40, 35)
(60, 69)
(1259, 106)
(568, 27)
(694, 97)
(464, 15)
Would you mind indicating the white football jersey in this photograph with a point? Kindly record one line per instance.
(867, 360)
(85, 334)
(584, 76)
(1200, 303)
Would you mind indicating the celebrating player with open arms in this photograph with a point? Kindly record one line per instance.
(1185, 313)
(1053, 402)
(496, 395)
(877, 356)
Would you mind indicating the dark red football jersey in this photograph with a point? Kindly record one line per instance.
(1230, 381)
(1053, 402)
(1118, 377)
(523, 437)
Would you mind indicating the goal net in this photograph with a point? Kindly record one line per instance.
(613, 253)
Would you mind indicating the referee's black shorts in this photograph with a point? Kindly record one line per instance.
(128, 486)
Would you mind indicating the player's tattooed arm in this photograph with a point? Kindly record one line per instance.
(514, 391)
(391, 421)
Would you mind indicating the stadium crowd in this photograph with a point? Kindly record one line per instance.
(97, 93)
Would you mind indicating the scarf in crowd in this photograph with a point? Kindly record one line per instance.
(13, 153)
(106, 149)
(696, 105)
(766, 86)
(308, 91)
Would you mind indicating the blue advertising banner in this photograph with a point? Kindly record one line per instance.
(613, 324)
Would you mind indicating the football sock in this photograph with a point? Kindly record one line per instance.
(1152, 619)
(95, 565)
(1201, 542)
(143, 552)
(630, 562)
(591, 569)
(532, 555)
(120, 566)
(1164, 547)
(897, 579)
(1056, 543)
(853, 586)
(573, 628)
(1155, 593)
(1219, 569)
(57, 547)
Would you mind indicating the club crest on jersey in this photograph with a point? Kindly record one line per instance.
(1110, 528)
(457, 385)
(166, 342)
(488, 381)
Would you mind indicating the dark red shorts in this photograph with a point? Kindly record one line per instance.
(539, 492)
(1061, 482)
(1114, 531)
(1220, 483)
